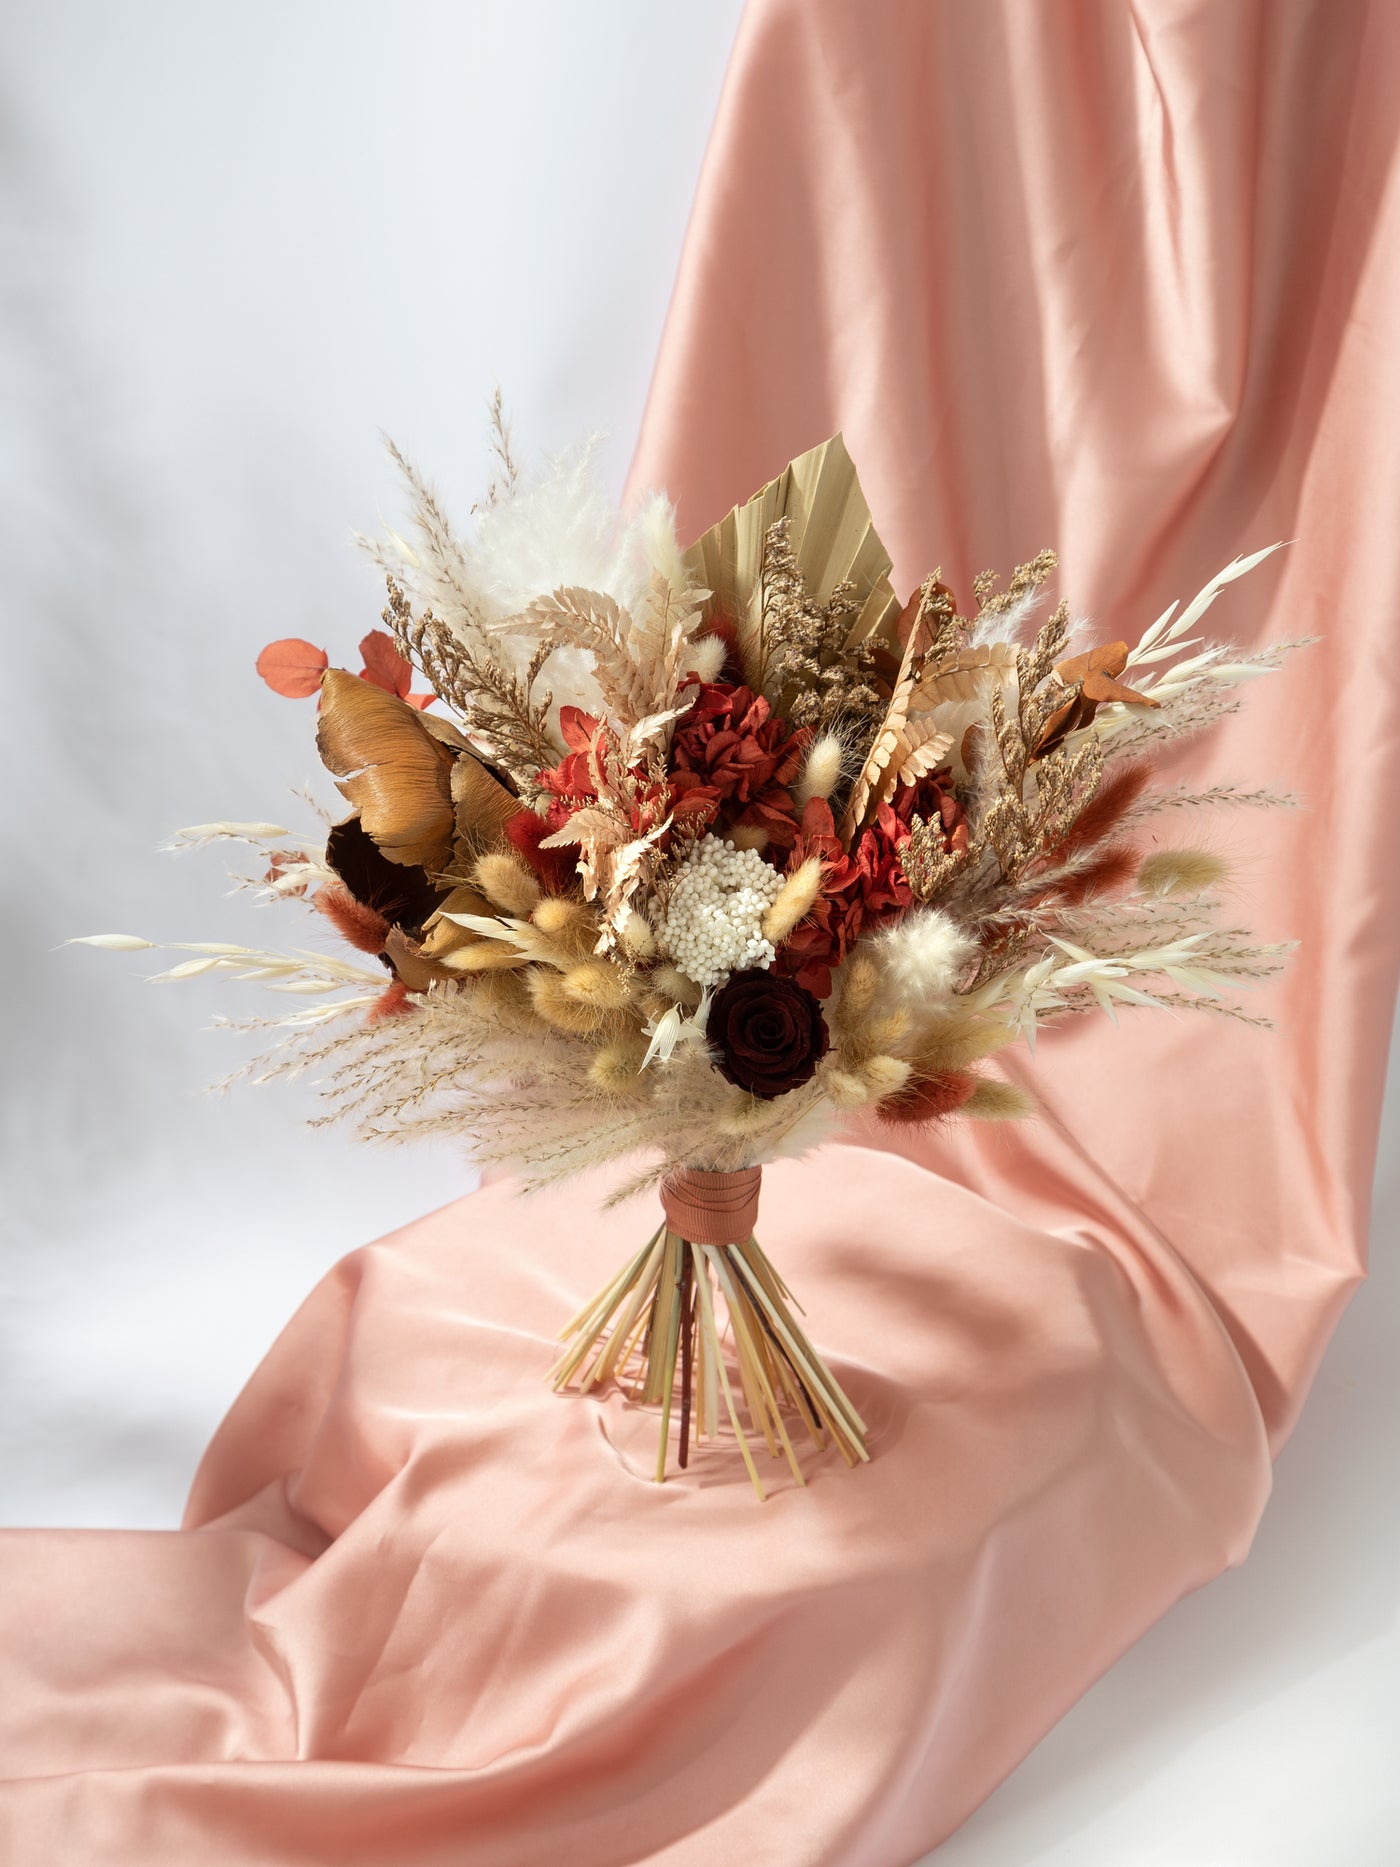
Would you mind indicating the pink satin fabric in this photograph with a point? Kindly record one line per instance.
(1120, 277)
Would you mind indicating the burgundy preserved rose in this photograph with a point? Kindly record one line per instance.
(769, 1033)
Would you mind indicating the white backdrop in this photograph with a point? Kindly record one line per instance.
(238, 241)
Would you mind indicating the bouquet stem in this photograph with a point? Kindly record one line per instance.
(659, 1318)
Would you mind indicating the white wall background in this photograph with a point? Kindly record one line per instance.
(237, 242)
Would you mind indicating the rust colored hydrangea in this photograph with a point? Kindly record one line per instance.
(731, 744)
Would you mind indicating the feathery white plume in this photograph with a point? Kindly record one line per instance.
(922, 956)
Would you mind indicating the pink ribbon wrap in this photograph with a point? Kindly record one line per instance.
(712, 1208)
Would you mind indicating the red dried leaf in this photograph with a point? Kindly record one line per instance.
(556, 868)
(293, 667)
(384, 666)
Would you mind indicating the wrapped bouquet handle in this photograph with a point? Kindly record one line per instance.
(659, 1318)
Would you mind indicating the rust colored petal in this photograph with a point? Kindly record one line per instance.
(1107, 658)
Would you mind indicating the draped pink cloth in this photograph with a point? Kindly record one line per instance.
(1119, 277)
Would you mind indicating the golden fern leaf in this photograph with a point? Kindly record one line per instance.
(920, 749)
(961, 677)
(594, 620)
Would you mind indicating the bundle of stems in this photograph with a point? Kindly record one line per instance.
(659, 1319)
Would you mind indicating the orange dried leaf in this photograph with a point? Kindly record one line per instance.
(384, 665)
(293, 667)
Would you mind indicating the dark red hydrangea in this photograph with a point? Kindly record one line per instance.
(866, 884)
(731, 744)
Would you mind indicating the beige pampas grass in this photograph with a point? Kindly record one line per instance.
(483, 957)
(794, 902)
(1181, 872)
(570, 924)
(845, 1090)
(994, 1100)
(822, 770)
(860, 981)
(884, 1076)
(507, 884)
(638, 940)
(672, 985)
(561, 1008)
(599, 985)
(617, 1068)
(959, 1038)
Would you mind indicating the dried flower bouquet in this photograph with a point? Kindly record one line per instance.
(708, 848)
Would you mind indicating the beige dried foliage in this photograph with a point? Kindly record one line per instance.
(498, 707)
(964, 676)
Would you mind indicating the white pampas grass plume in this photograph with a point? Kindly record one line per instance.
(821, 770)
(652, 535)
(794, 902)
(507, 883)
(705, 656)
(923, 956)
(1181, 872)
(993, 1100)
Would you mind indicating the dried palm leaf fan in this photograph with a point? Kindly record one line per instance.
(658, 1323)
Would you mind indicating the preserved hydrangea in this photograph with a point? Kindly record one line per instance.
(714, 920)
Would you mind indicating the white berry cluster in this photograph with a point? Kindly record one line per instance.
(714, 920)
